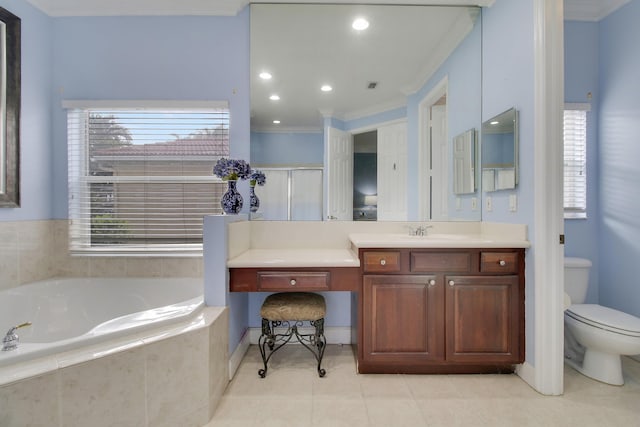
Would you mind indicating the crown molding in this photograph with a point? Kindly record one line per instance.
(59, 8)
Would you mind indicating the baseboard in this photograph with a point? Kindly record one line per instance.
(238, 354)
(333, 334)
(527, 372)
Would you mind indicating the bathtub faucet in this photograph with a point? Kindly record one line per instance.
(10, 341)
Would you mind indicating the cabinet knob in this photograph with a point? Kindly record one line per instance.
(432, 282)
(451, 283)
(502, 263)
(292, 282)
(383, 262)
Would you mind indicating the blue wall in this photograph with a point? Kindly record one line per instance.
(581, 77)
(619, 156)
(149, 58)
(35, 139)
(287, 148)
(508, 81)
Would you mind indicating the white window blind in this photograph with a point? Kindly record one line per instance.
(140, 179)
(575, 161)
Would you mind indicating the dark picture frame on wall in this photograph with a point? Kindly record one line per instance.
(9, 109)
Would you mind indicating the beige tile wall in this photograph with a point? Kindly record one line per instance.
(38, 250)
(177, 381)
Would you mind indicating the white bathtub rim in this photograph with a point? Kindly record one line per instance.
(102, 332)
(49, 363)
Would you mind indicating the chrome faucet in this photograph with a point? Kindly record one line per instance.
(421, 230)
(10, 340)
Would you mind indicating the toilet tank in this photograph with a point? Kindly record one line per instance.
(576, 278)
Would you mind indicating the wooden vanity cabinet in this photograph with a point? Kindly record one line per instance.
(441, 310)
(300, 279)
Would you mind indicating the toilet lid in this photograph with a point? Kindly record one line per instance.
(606, 318)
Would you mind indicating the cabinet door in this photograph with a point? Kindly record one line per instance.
(402, 319)
(483, 320)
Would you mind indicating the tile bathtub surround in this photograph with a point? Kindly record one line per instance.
(177, 381)
(38, 250)
(293, 395)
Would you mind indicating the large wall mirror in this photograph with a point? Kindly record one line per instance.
(500, 152)
(325, 77)
(9, 109)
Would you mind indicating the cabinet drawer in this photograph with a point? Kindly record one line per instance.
(440, 261)
(499, 262)
(289, 281)
(381, 262)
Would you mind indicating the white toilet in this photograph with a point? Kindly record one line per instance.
(595, 336)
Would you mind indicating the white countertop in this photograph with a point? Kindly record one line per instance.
(257, 258)
(396, 240)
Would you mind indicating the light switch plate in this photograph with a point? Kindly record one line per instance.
(489, 204)
(513, 203)
(474, 204)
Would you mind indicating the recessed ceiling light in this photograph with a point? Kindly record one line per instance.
(265, 76)
(495, 122)
(326, 88)
(360, 24)
(276, 122)
(274, 97)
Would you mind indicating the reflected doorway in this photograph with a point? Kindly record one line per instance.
(434, 155)
(365, 176)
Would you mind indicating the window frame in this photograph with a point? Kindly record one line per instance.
(576, 212)
(80, 226)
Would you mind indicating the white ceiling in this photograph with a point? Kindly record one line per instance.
(590, 10)
(306, 46)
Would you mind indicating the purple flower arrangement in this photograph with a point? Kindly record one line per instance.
(257, 177)
(231, 169)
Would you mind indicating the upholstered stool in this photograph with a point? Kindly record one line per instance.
(290, 310)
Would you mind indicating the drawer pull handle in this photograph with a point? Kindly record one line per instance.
(432, 282)
(502, 263)
(383, 262)
(292, 282)
(451, 283)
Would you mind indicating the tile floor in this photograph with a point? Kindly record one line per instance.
(293, 395)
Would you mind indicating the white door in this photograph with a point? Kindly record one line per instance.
(339, 163)
(392, 172)
(274, 197)
(439, 164)
(306, 195)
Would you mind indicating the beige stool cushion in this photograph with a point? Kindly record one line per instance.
(293, 306)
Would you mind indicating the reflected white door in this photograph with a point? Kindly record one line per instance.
(439, 164)
(306, 195)
(392, 172)
(274, 197)
(339, 162)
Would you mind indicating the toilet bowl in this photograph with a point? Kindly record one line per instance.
(596, 336)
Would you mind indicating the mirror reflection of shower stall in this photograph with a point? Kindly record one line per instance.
(291, 194)
(365, 172)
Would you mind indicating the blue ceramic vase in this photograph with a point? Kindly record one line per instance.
(255, 202)
(231, 201)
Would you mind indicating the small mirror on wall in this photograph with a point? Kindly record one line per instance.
(464, 163)
(500, 152)
(9, 109)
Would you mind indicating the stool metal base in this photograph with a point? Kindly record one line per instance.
(314, 342)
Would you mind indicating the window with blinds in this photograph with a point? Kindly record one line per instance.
(140, 179)
(575, 160)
